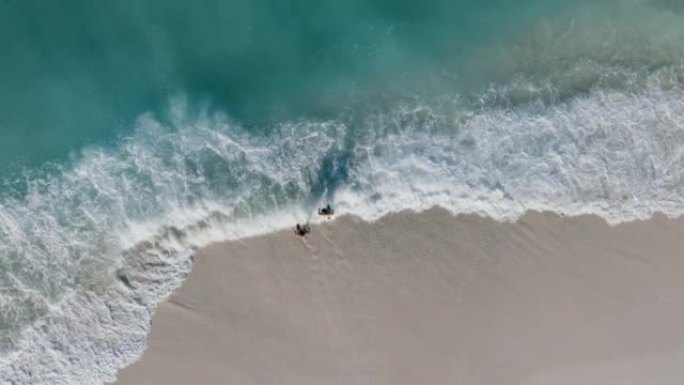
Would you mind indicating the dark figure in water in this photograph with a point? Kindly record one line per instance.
(327, 210)
(302, 230)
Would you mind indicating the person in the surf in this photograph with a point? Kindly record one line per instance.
(327, 210)
(302, 230)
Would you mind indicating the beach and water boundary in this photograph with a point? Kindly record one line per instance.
(143, 209)
(125, 156)
(429, 298)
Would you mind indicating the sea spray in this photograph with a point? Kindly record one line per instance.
(92, 249)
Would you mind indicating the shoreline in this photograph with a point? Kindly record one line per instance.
(428, 297)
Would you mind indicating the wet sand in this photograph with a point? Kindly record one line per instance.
(429, 298)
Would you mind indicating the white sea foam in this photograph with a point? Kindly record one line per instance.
(616, 155)
(94, 247)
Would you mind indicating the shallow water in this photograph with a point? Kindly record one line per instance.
(131, 133)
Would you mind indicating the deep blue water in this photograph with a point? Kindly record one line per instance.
(76, 73)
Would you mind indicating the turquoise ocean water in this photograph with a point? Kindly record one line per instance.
(133, 132)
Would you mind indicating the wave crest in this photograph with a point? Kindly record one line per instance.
(90, 249)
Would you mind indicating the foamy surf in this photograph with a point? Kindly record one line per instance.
(97, 245)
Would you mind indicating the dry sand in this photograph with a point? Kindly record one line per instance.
(429, 298)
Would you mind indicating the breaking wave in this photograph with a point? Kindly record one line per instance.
(88, 250)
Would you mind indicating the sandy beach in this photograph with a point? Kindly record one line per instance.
(429, 298)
